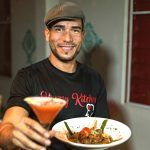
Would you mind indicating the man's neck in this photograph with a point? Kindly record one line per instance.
(68, 67)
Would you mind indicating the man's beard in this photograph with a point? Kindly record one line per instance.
(65, 60)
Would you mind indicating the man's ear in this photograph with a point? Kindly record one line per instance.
(47, 34)
(83, 35)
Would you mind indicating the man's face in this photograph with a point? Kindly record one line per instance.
(65, 38)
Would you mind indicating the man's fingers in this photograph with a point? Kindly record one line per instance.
(19, 144)
(36, 126)
(33, 134)
(23, 141)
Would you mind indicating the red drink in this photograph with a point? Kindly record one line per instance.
(45, 108)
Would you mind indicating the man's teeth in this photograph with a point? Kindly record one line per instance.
(67, 48)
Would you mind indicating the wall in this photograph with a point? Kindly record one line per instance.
(25, 15)
(109, 20)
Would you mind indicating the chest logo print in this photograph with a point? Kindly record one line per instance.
(90, 110)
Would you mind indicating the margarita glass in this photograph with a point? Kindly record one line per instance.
(45, 108)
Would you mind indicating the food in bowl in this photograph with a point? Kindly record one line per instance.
(89, 135)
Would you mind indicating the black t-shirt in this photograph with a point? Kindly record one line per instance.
(83, 90)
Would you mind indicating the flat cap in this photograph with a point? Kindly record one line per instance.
(62, 11)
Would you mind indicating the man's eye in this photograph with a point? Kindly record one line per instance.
(76, 31)
(58, 29)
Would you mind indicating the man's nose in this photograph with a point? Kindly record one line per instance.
(68, 37)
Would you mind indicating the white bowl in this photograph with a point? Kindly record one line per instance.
(117, 130)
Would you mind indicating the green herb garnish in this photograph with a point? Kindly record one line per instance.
(70, 132)
(103, 124)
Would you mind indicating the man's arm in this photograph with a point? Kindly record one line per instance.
(11, 117)
(18, 130)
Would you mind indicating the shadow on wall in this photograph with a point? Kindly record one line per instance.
(93, 53)
(102, 61)
(99, 59)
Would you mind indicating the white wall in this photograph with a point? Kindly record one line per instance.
(139, 123)
(109, 19)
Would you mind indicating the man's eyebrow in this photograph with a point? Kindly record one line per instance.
(58, 26)
(63, 27)
(76, 27)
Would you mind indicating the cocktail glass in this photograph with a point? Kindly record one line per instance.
(45, 108)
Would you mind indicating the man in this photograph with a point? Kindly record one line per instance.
(60, 75)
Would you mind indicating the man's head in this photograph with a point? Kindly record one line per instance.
(63, 11)
(65, 31)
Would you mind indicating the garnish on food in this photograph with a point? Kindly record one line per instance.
(90, 135)
(68, 128)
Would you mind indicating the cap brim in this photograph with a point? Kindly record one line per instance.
(55, 20)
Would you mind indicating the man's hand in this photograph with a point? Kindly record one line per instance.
(18, 130)
(29, 134)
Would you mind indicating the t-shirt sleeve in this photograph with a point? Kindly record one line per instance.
(20, 88)
(101, 109)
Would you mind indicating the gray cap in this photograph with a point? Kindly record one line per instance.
(64, 10)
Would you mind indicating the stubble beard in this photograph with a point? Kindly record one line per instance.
(64, 60)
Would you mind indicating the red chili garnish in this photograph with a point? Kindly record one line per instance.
(85, 131)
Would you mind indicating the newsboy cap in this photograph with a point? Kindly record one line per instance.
(62, 11)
